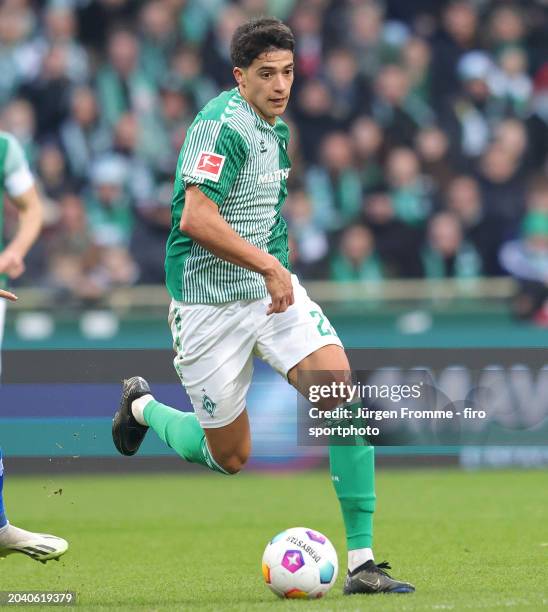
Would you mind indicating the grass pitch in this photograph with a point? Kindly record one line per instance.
(468, 541)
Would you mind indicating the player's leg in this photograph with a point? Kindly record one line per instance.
(41, 547)
(303, 346)
(222, 449)
(352, 466)
(38, 546)
(213, 347)
(353, 475)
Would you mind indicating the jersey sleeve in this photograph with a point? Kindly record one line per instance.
(17, 175)
(212, 158)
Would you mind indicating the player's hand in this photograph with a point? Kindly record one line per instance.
(280, 288)
(11, 263)
(8, 295)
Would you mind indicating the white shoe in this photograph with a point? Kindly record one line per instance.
(38, 546)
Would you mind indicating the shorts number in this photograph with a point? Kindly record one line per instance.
(323, 326)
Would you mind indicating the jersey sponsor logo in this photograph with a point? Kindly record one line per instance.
(209, 165)
(273, 177)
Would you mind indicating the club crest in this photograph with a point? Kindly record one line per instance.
(208, 404)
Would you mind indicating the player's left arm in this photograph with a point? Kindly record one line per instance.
(30, 212)
(21, 188)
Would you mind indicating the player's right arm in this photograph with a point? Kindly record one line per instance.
(203, 223)
(212, 160)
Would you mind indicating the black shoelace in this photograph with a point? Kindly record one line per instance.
(380, 568)
(371, 566)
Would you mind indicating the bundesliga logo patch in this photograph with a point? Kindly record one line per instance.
(209, 165)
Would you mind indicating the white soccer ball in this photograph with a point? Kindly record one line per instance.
(300, 563)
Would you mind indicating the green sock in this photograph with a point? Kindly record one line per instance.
(353, 476)
(181, 432)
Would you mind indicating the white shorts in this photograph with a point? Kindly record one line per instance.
(215, 345)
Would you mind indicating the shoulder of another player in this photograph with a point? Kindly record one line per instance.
(8, 142)
(12, 152)
(10, 139)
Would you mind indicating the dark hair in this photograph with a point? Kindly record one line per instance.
(257, 36)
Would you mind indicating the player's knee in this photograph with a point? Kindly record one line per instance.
(233, 462)
(341, 379)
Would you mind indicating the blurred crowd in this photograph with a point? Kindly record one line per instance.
(419, 132)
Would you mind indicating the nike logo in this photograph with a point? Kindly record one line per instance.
(372, 585)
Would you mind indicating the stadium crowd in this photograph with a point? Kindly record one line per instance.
(419, 132)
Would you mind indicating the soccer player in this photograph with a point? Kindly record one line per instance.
(17, 180)
(234, 298)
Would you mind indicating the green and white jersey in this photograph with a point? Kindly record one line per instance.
(15, 176)
(240, 162)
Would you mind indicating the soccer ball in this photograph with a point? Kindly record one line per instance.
(300, 563)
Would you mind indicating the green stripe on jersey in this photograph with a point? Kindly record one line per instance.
(239, 161)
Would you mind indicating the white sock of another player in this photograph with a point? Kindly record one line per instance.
(138, 408)
(11, 535)
(359, 557)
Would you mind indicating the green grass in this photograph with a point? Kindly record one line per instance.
(475, 541)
